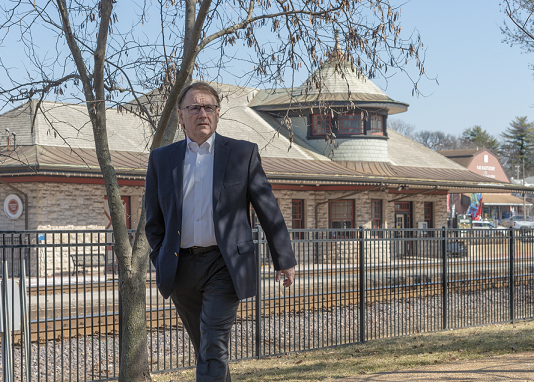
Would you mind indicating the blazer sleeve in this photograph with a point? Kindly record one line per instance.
(155, 222)
(268, 212)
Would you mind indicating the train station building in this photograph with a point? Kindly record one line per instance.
(327, 151)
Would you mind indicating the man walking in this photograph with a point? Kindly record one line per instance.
(198, 193)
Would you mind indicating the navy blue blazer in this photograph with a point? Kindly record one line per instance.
(238, 180)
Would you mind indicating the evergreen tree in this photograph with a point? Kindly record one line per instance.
(518, 147)
(476, 137)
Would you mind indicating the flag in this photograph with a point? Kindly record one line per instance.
(475, 208)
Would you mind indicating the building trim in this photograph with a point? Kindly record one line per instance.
(67, 179)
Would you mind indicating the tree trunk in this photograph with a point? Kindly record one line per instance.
(132, 262)
(172, 127)
(133, 355)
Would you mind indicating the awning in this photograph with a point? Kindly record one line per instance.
(502, 200)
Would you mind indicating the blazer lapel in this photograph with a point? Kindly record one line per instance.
(219, 166)
(177, 177)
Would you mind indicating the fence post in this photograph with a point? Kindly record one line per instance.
(362, 284)
(512, 278)
(444, 282)
(7, 349)
(24, 316)
(258, 290)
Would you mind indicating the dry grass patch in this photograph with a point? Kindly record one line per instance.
(388, 354)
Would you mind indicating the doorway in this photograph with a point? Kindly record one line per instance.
(403, 220)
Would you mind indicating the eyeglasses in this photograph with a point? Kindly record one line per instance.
(195, 109)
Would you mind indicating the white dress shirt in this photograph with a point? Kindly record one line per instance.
(197, 205)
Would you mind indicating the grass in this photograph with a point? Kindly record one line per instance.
(375, 356)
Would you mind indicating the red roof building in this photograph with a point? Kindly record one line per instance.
(485, 163)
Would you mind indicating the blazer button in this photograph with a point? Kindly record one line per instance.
(175, 254)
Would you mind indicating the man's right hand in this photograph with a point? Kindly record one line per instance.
(289, 276)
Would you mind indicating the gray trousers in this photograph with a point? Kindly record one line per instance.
(206, 301)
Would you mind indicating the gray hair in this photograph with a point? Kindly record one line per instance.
(199, 86)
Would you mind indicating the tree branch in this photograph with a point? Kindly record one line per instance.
(76, 54)
(49, 84)
(187, 63)
(133, 92)
(250, 20)
(509, 13)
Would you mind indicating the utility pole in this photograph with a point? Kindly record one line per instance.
(524, 193)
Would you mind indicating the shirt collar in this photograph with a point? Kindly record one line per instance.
(208, 144)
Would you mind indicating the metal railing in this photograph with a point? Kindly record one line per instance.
(352, 285)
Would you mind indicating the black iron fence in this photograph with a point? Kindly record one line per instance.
(352, 286)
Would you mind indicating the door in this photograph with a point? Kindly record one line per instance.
(403, 221)
(400, 247)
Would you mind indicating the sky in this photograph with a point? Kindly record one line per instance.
(482, 80)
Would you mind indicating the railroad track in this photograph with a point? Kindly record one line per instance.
(48, 326)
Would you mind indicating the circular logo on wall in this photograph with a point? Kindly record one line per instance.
(13, 206)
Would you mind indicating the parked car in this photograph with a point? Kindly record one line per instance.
(456, 248)
(518, 221)
(492, 228)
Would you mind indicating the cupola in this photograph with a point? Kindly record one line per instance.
(337, 109)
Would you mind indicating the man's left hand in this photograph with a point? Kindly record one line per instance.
(289, 276)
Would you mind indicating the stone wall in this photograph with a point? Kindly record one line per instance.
(66, 206)
(344, 251)
(362, 202)
(61, 206)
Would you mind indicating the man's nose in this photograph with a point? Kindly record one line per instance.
(202, 112)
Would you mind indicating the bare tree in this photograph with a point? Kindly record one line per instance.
(520, 27)
(437, 140)
(401, 127)
(91, 57)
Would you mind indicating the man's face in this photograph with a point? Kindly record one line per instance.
(199, 127)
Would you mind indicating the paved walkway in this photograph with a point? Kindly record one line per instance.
(512, 367)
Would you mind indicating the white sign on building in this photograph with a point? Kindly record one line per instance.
(13, 206)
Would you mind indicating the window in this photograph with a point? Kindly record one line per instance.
(486, 158)
(321, 124)
(377, 124)
(297, 217)
(350, 124)
(403, 207)
(342, 216)
(428, 214)
(376, 213)
(403, 214)
(297, 208)
(126, 203)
